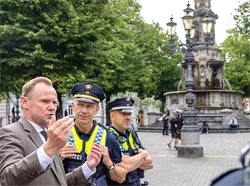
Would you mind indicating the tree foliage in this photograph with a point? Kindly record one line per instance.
(236, 51)
(71, 41)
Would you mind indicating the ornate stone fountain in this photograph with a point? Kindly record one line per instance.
(213, 103)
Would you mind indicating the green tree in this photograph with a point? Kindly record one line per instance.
(106, 42)
(130, 69)
(58, 39)
(236, 51)
(163, 65)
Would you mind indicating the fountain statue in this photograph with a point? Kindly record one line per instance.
(213, 102)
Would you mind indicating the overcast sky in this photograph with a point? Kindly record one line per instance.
(161, 10)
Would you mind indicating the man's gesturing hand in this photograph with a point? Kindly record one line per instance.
(94, 156)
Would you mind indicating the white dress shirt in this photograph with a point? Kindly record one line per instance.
(45, 160)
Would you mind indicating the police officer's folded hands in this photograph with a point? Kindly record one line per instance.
(147, 163)
(67, 151)
(117, 168)
(106, 159)
(93, 158)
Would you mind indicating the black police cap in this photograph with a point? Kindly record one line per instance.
(121, 104)
(88, 92)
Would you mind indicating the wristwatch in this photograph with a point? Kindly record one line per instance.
(112, 168)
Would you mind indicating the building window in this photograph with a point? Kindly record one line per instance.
(70, 111)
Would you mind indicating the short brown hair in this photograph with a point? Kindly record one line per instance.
(28, 87)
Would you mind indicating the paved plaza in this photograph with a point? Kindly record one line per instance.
(221, 153)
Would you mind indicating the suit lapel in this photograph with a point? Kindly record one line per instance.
(34, 136)
(32, 133)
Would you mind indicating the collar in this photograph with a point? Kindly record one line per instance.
(121, 133)
(38, 129)
(85, 136)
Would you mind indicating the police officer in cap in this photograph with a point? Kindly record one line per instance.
(135, 157)
(86, 133)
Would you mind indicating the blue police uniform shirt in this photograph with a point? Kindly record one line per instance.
(111, 143)
(132, 178)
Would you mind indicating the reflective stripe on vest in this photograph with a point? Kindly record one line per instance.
(98, 136)
(124, 146)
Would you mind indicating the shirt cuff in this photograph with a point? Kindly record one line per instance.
(43, 158)
(87, 171)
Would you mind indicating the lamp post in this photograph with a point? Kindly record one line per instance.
(190, 137)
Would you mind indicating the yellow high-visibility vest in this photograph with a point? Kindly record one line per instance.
(124, 146)
(98, 136)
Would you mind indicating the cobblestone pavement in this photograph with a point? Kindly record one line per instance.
(221, 153)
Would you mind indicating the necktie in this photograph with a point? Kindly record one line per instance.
(44, 133)
(56, 163)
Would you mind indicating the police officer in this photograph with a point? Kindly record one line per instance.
(135, 157)
(86, 133)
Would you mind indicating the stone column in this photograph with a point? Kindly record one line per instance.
(227, 115)
(153, 116)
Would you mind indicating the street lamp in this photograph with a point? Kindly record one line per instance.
(187, 21)
(207, 26)
(171, 27)
(190, 132)
(189, 10)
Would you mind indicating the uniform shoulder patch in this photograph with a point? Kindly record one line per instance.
(101, 125)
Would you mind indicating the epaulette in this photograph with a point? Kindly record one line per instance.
(112, 131)
(102, 126)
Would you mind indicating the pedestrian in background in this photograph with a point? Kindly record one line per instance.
(204, 128)
(173, 128)
(165, 118)
(233, 124)
(138, 121)
(28, 147)
(135, 157)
